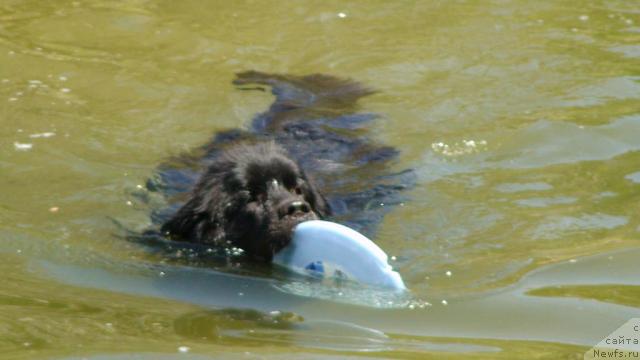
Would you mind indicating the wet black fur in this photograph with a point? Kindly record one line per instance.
(245, 198)
(236, 190)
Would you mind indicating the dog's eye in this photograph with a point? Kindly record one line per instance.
(298, 190)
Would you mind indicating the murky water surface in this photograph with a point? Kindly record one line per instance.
(521, 120)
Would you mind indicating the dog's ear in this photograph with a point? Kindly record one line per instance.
(316, 200)
(321, 205)
(188, 224)
(201, 218)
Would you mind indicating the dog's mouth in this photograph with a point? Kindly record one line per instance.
(282, 230)
(292, 220)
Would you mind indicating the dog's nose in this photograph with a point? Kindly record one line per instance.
(297, 206)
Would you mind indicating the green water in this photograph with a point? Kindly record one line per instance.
(520, 118)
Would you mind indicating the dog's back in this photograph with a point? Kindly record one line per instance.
(316, 120)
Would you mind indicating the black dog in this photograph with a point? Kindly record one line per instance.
(255, 185)
(251, 197)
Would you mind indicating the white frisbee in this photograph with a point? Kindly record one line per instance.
(326, 249)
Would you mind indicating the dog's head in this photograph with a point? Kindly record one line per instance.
(252, 197)
(275, 195)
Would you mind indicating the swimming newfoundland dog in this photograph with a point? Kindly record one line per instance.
(252, 197)
(307, 157)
